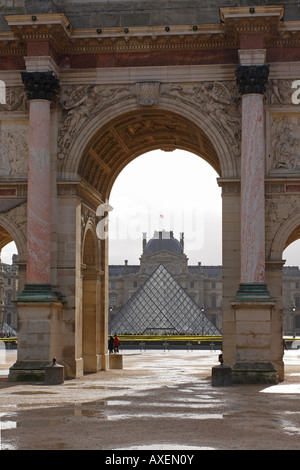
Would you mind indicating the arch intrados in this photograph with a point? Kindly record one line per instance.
(294, 235)
(135, 133)
(9, 232)
(288, 233)
(223, 160)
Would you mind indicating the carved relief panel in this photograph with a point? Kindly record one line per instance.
(282, 129)
(13, 148)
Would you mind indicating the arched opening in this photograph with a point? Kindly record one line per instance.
(133, 134)
(89, 303)
(9, 284)
(175, 192)
(110, 145)
(291, 285)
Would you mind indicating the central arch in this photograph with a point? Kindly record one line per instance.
(110, 148)
(102, 148)
(111, 139)
(132, 134)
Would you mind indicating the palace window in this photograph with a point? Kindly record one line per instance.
(213, 300)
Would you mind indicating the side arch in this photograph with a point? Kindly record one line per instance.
(288, 232)
(12, 232)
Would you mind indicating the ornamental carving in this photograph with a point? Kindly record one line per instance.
(219, 101)
(16, 100)
(279, 209)
(252, 78)
(13, 150)
(278, 92)
(79, 105)
(147, 93)
(285, 142)
(40, 85)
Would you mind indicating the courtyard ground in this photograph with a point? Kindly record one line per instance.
(160, 400)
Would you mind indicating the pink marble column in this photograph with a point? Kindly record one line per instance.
(41, 88)
(252, 190)
(39, 195)
(251, 81)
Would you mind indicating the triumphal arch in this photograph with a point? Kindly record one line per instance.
(89, 87)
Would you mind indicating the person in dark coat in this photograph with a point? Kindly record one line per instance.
(111, 344)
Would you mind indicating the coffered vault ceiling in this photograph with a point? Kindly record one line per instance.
(135, 133)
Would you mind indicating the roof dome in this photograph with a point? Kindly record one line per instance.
(163, 241)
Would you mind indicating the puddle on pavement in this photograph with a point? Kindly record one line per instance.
(166, 446)
(34, 392)
(182, 416)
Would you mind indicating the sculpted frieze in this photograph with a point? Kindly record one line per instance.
(80, 104)
(285, 143)
(219, 101)
(279, 209)
(16, 100)
(278, 92)
(13, 149)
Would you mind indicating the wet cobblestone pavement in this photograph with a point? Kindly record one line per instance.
(160, 400)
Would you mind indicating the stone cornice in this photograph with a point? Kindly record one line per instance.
(57, 31)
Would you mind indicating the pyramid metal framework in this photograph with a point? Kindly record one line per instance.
(162, 306)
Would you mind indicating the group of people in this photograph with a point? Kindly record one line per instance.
(113, 344)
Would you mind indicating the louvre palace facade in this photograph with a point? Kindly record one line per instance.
(203, 284)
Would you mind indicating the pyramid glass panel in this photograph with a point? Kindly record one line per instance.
(162, 305)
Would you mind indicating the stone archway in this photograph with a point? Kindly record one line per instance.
(97, 156)
(90, 305)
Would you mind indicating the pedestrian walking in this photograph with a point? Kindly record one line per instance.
(116, 343)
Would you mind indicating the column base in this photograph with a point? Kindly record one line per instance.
(27, 371)
(254, 373)
(253, 291)
(39, 293)
(116, 361)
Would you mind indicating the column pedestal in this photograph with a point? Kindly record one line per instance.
(253, 342)
(39, 339)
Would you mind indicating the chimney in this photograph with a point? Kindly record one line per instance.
(144, 240)
(182, 240)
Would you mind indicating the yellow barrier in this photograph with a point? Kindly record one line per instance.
(13, 338)
(169, 338)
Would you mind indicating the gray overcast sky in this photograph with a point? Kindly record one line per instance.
(172, 191)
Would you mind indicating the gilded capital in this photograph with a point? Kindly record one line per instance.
(252, 78)
(40, 85)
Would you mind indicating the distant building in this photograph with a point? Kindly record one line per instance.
(8, 293)
(291, 300)
(202, 283)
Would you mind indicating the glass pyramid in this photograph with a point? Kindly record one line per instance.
(162, 306)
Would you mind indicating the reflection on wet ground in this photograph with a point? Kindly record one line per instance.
(158, 401)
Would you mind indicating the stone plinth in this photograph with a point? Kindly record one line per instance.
(54, 373)
(253, 342)
(116, 361)
(221, 376)
(254, 372)
(39, 339)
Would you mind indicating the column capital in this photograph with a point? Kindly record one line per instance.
(40, 85)
(252, 78)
